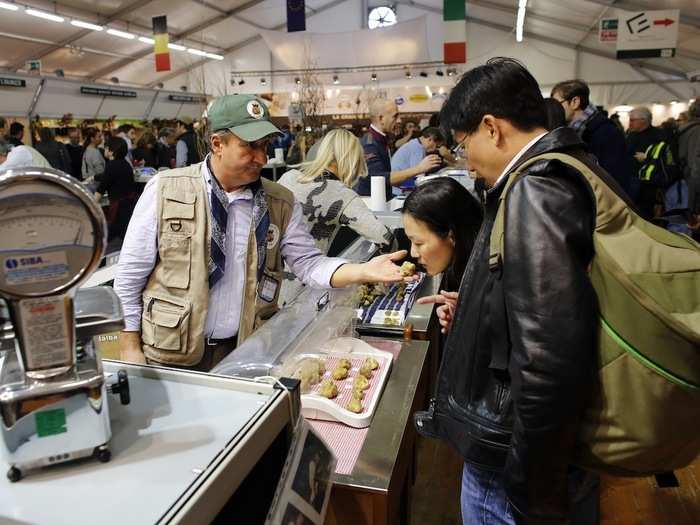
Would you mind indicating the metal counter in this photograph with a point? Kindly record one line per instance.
(180, 450)
(376, 464)
(378, 491)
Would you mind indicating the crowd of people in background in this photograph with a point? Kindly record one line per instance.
(658, 167)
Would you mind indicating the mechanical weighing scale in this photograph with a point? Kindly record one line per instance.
(196, 444)
(53, 394)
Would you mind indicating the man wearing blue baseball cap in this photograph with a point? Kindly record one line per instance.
(201, 264)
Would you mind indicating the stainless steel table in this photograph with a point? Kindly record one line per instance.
(180, 450)
(378, 490)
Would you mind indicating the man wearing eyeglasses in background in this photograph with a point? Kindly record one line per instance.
(603, 138)
(201, 264)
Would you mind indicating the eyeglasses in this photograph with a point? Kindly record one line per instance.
(460, 150)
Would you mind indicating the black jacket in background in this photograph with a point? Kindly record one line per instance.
(149, 156)
(190, 140)
(378, 163)
(519, 360)
(57, 155)
(76, 160)
(607, 143)
(166, 155)
(118, 180)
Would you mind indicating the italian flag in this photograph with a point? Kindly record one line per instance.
(454, 15)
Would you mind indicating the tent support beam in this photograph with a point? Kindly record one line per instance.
(78, 35)
(180, 36)
(243, 44)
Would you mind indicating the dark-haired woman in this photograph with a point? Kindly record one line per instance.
(146, 153)
(118, 181)
(442, 219)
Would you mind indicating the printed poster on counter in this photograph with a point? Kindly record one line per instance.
(305, 485)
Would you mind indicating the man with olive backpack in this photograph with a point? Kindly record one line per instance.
(575, 342)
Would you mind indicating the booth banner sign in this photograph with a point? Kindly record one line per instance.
(190, 99)
(296, 16)
(648, 34)
(607, 31)
(33, 67)
(12, 82)
(402, 43)
(455, 32)
(160, 44)
(107, 92)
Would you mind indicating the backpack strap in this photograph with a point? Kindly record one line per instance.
(608, 204)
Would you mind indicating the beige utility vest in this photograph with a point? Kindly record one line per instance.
(176, 296)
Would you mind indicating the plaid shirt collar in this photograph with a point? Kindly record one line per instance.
(579, 122)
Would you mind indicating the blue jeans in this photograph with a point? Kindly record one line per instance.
(483, 498)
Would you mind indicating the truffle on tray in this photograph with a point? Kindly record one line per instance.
(328, 389)
(339, 373)
(360, 383)
(354, 405)
(372, 363)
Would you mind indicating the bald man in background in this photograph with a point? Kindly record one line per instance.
(383, 115)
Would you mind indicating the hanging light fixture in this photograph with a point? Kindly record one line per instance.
(297, 81)
(263, 81)
(374, 77)
(408, 74)
(336, 80)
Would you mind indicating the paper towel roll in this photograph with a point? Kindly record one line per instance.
(378, 194)
(279, 154)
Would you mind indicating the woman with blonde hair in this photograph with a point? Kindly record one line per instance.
(324, 185)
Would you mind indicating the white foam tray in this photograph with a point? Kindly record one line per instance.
(315, 406)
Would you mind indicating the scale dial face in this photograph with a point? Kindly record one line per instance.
(49, 237)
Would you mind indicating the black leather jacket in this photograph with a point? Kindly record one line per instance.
(519, 360)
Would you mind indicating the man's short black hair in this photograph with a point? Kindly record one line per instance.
(502, 87)
(125, 128)
(573, 88)
(118, 147)
(434, 133)
(3, 122)
(16, 128)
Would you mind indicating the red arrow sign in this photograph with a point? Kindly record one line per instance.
(665, 22)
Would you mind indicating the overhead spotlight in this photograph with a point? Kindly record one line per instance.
(423, 74)
(297, 81)
(451, 72)
(241, 82)
(408, 74)
(263, 81)
(114, 80)
(159, 85)
(374, 77)
(59, 73)
(336, 80)
(183, 88)
(439, 73)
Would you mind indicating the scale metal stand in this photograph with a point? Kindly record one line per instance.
(53, 394)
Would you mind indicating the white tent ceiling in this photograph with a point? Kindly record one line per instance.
(561, 41)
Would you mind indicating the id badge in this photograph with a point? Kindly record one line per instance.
(267, 288)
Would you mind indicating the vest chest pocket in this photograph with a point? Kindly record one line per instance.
(175, 258)
(165, 323)
(178, 211)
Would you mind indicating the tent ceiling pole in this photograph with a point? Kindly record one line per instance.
(80, 34)
(180, 36)
(35, 99)
(242, 44)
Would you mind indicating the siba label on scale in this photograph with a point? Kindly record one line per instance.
(32, 269)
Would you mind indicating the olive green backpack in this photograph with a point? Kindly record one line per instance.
(645, 417)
